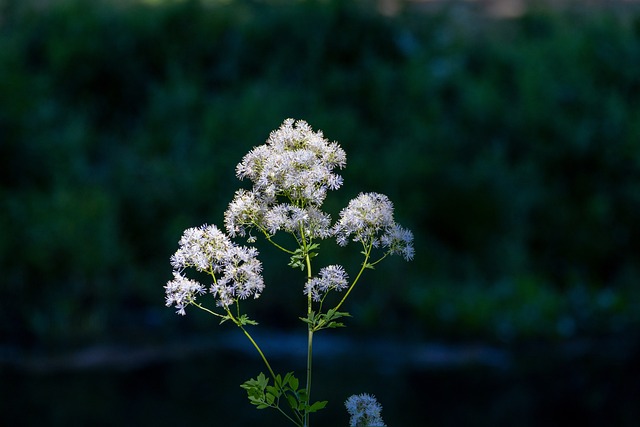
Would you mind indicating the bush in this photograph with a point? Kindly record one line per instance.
(511, 150)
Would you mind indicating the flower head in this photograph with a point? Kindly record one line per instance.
(369, 219)
(236, 271)
(364, 410)
(332, 277)
(182, 292)
(364, 217)
(295, 162)
(399, 240)
(296, 220)
(240, 276)
(245, 211)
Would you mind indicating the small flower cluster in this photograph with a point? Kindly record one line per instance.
(364, 410)
(236, 270)
(332, 277)
(369, 219)
(296, 164)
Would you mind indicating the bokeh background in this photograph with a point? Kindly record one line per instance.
(507, 133)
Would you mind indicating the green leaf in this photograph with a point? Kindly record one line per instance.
(262, 381)
(274, 391)
(270, 398)
(293, 401)
(244, 320)
(293, 381)
(287, 378)
(317, 406)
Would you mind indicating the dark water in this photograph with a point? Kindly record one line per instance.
(588, 384)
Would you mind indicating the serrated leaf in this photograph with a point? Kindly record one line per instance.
(244, 320)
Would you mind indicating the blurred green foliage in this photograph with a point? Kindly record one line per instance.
(511, 148)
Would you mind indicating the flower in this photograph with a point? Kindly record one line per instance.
(182, 292)
(240, 276)
(296, 220)
(399, 240)
(235, 269)
(201, 248)
(364, 410)
(369, 219)
(245, 211)
(364, 217)
(295, 162)
(330, 277)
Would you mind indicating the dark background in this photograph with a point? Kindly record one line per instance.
(510, 145)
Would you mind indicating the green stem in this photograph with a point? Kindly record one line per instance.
(309, 361)
(255, 344)
(270, 240)
(367, 254)
(309, 331)
(207, 310)
(264, 358)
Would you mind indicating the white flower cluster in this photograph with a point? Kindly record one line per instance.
(291, 174)
(236, 271)
(369, 219)
(332, 277)
(182, 291)
(364, 410)
(296, 164)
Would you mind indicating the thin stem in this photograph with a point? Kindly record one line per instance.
(257, 347)
(285, 414)
(309, 326)
(367, 254)
(207, 310)
(309, 362)
(277, 245)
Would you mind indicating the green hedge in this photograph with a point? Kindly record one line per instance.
(509, 147)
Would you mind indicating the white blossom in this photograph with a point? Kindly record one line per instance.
(364, 217)
(399, 240)
(369, 219)
(246, 210)
(295, 220)
(295, 162)
(364, 410)
(236, 271)
(240, 276)
(332, 277)
(200, 248)
(181, 292)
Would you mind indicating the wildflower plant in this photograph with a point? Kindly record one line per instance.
(291, 174)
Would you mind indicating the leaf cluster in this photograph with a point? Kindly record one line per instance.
(319, 321)
(263, 395)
